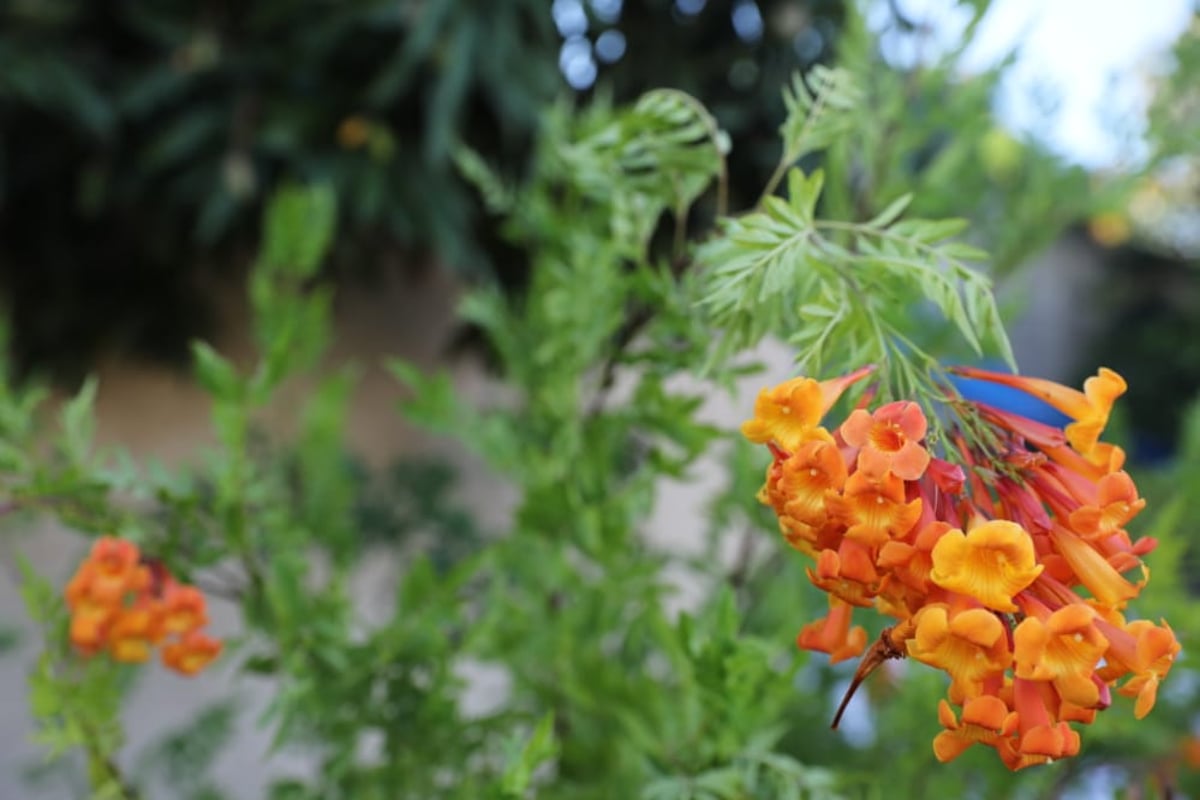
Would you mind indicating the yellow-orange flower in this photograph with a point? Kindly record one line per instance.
(113, 570)
(991, 563)
(1090, 408)
(1005, 570)
(1144, 649)
(182, 609)
(790, 414)
(910, 563)
(1041, 738)
(1116, 504)
(807, 478)
(847, 573)
(809, 539)
(132, 634)
(89, 626)
(833, 634)
(873, 508)
(1064, 648)
(970, 645)
(985, 720)
(192, 653)
(117, 604)
(890, 439)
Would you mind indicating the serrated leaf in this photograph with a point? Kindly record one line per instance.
(804, 192)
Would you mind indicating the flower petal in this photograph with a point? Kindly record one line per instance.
(990, 564)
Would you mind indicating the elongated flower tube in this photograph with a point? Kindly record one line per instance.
(1089, 409)
(833, 634)
(1002, 554)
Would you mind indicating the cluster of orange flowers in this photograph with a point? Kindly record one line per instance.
(982, 567)
(123, 604)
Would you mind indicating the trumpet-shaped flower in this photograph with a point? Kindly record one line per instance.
(182, 609)
(833, 634)
(89, 626)
(809, 539)
(192, 653)
(911, 563)
(790, 414)
(1144, 649)
(991, 563)
(890, 439)
(1041, 738)
(808, 477)
(970, 645)
(113, 570)
(1002, 555)
(132, 634)
(1117, 502)
(1089, 409)
(126, 605)
(873, 508)
(986, 719)
(847, 573)
(1063, 648)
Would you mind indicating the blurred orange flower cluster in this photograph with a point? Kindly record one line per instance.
(121, 603)
(1008, 574)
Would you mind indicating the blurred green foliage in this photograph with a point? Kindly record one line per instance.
(139, 141)
(645, 259)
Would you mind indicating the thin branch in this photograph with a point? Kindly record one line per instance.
(104, 761)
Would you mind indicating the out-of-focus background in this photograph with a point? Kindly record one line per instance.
(139, 141)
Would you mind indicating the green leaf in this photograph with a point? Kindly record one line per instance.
(540, 748)
(804, 192)
(814, 120)
(726, 782)
(298, 229)
(497, 197)
(216, 373)
(78, 422)
(891, 213)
